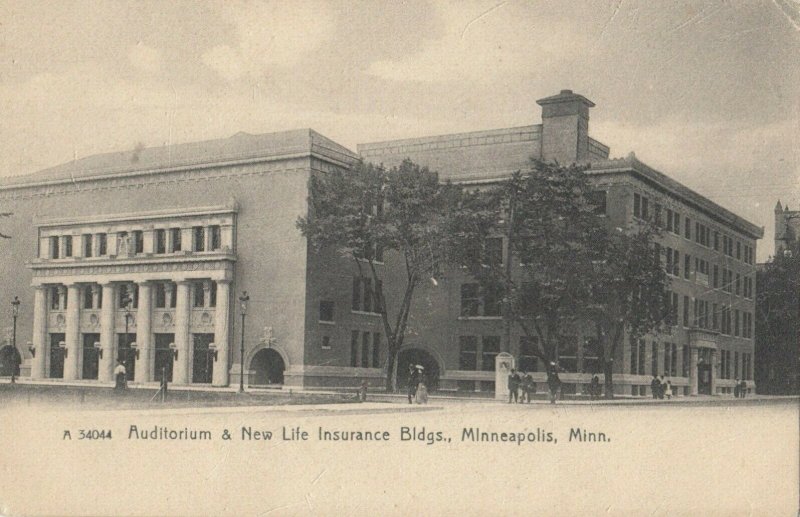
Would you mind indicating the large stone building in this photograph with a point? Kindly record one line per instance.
(787, 227)
(141, 256)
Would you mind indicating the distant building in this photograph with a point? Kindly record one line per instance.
(787, 227)
(182, 230)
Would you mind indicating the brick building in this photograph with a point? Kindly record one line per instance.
(182, 230)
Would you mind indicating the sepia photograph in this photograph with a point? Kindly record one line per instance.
(371, 257)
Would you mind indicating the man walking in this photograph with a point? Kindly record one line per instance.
(655, 387)
(513, 386)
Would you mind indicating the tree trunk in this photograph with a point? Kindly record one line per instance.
(608, 373)
(391, 372)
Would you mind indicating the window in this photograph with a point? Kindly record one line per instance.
(669, 266)
(87, 297)
(54, 251)
(687, 266)
(673, 316)
(138, 241)
(102, 244)
(470, 301)
(468, 350)
(716, 241)
(676, 263)
(597, 199)
(527, 358)
(68, 245)
(367, 300)
(87, 245)
(175, 234)
(738, 284)
(634, 361)
(128, 293)
(637, 205)
(493, 251)
(736, 364)
(716, 276)
(54, 298)
(491, 347)
(492, 303)
(685, 311)
(326, 310)
(738, 250)
(670, 227)
(199, 238)
(161, 295)
(376, 350)
(677, 226)
(216, 238)
(714, 318)
(363, 297)
(645, 208)
(161, 241)
(685, 362)
(657, 215)
(365, 338)
(642, 348)
(326, 342)
(354, 348)
(687, 228)
(198, 298)
(736, 323)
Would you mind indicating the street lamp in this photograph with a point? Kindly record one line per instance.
(14, 313)
(243, 299)
(126, 303)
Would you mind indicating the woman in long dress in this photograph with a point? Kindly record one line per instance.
(422, 390)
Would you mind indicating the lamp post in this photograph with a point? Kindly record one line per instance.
(243, 299)
(14, 313)
(126, 303)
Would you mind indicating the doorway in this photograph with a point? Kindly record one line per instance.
(417, 357)
(164, 357)
(268, 367)
(126, 354)
(91, 356)
(704, 379)
(56, 356)
(203, 361)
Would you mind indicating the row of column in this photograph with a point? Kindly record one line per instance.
(182, 366)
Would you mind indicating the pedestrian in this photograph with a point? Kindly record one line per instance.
(594, 388)
(422, 393)
(662, 385)
(655, 386)
(668, 390)
(513, 386)
(553, 382)
(736, 388)
(530, 387)
(413, 380)
(362, 395)
(743, 389)
(119, 375)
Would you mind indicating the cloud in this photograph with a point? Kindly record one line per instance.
(268, 34)
(144, 58)
(483, 43)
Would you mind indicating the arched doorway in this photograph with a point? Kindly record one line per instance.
(417, 356)
(267, 367)
(9, 361)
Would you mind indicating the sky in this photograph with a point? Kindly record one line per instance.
(707, 92)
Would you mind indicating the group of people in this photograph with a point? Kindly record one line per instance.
(661, 388)
(740, 388)
(522, 387)
(417, 390)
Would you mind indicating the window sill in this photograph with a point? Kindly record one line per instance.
(480, 318)
(324, 322)
(365, 313)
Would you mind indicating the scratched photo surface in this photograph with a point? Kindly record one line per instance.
(182, 334)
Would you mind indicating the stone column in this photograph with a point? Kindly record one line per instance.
(62, 297)
(105, 371)
(692, 370)
(95, 296)
(187, 239)
(144, 373)
(182, 368)
(72, 361)
(40, 341)
(206, 293)
(169, 292)
(222, 333)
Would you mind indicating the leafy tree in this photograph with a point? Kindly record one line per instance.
(367, 210)
(629, 291)
(778, 323)
(549, 224)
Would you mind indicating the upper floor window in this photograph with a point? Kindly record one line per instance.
(687, 228)
(102, 244)
(494, 251)
(138, 241)
(161, 241)
(175, 233)
(198, 292)
(199, 238)
(215, 237)
(365, 298)
(54, 245)
(326, 310)
(68, 245)
(86, 244)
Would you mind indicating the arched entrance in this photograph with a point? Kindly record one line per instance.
(267, 367)
(9, 361)
(417, 356)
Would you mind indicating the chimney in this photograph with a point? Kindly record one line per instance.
(565, 127)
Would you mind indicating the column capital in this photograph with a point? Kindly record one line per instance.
(226, 281)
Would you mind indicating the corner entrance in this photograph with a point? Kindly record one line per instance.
(9, 361)
(267, 367)
(414, 357)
